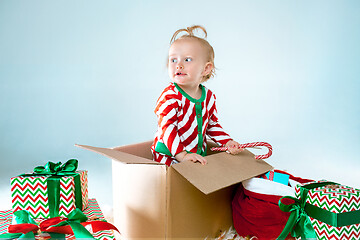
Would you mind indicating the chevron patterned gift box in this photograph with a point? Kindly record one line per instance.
(37, 194)
(334, 209)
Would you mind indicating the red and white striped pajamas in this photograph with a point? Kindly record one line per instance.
(184, 123)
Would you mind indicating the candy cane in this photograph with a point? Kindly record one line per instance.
(249, 145)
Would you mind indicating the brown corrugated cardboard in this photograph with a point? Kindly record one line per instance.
(187, 200)
(119, 155)
(222, 170)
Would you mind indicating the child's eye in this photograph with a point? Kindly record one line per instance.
(188, 59)
(174, 60)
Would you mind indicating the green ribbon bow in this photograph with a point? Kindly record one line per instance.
(25, 226)
(74, 220)
(56, 168)
(299, 223)
(22, 217)
(56, 171)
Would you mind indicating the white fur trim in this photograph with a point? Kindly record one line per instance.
(293, 183)
(264, 186)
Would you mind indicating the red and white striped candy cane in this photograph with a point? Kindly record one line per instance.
(249, 145)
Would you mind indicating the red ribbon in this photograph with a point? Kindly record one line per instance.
(47, 226)
(23, 228)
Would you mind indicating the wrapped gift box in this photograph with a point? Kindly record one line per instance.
(93, 212)
(31, 192)
(333, 209)
(277, 176)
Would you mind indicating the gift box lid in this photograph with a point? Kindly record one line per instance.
(333, 197)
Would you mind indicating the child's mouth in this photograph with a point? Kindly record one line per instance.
(180, 74)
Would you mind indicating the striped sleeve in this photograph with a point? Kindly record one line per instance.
(166, 111)
(214, 129)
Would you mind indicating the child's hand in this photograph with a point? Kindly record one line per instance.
(233, 147)
(194, 157)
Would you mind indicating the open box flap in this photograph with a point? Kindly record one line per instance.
(222, 170)
(118, 155)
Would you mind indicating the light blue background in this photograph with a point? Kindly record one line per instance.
(89, 72)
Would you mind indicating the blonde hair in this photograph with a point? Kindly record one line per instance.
(189, 34)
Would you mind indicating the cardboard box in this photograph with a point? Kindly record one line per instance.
(186, 200)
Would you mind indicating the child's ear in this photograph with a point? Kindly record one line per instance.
(208, 67)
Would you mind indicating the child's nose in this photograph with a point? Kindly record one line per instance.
(179, 67)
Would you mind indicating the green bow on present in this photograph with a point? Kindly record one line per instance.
(69, 225)
(299, 224)
(74, 223)
(57, 168)
(24, 229)
(56, 171)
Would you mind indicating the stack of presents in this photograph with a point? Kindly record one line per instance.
(52, 203)
(183, 201)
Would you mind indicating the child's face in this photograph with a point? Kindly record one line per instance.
(187, 63)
